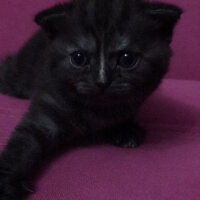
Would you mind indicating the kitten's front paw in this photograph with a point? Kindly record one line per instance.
(128, 137)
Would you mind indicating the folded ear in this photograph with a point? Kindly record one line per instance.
(51, 19)
(166, 15)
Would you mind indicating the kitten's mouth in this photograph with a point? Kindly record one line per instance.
(115, 89)
(119, 89)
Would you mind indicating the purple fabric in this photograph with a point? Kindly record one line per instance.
(165, 167)
(16, 26)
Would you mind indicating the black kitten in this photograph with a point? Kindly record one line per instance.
(87, 71)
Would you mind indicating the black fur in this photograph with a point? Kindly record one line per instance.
(68, 102)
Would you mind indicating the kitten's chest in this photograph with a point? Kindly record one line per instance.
(100, 118)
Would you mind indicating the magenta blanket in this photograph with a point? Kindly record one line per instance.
(165, 167)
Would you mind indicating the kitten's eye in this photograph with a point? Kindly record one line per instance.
(128, 60)
(79, 59)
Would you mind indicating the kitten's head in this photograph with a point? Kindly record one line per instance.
(115, 47)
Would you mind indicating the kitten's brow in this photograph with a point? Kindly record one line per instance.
(80, 43)
(121, 42)
(83, 43)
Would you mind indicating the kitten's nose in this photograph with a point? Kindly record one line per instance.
(103, 75)
(103, 84)
(103, 81)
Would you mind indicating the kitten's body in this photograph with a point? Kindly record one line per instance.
(99, 98)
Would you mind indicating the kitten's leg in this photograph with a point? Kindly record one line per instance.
(127, 135)
(36, 138)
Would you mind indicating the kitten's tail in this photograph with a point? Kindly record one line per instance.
(10, 83)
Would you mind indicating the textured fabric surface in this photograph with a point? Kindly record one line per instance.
(165, 167)
(16, 26)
